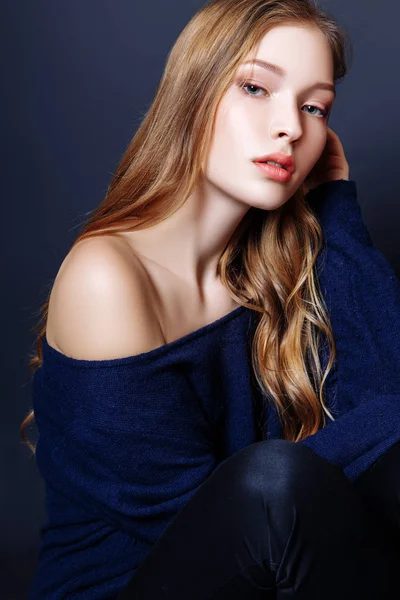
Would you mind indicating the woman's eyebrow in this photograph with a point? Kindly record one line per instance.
(282, 73)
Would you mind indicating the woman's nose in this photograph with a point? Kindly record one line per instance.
(286, 121)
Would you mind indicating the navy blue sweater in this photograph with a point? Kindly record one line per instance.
(124, 443)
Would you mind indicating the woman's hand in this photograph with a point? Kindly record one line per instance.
(331, 165)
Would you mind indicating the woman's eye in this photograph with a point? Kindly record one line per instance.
(250, 85)
(323, 113)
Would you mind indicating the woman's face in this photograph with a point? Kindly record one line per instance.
(271, 113)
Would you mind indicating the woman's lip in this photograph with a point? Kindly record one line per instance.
(286, 160)
(276, 173)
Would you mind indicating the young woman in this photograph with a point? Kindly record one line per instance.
(202, 327)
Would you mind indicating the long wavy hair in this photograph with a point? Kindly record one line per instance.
(269, 263)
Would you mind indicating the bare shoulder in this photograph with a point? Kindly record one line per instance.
(101, 304)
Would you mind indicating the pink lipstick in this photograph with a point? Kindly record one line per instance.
(280, 172)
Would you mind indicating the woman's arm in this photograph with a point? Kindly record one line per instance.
(362, 293)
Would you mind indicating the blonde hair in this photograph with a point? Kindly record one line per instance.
(268, 263)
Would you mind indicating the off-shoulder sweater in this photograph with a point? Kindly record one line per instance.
(124, 443)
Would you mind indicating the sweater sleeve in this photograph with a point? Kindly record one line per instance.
(362, 293)
(126, 440)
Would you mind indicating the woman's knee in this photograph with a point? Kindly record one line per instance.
(279, 468)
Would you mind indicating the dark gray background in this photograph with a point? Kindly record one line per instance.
(77, 77)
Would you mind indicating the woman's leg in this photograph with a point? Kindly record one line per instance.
(273, 521)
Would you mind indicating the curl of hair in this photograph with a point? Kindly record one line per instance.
(268, 263)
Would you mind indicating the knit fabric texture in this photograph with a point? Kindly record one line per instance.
(124, 443)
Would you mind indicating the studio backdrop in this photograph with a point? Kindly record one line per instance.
(77, 78)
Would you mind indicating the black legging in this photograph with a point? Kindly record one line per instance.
(276, 520)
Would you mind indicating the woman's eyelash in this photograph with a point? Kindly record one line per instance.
(324, 113)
